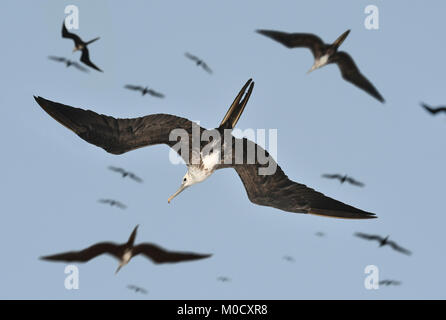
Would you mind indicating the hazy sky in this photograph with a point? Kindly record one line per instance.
(52, 179)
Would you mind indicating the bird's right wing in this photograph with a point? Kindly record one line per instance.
(79, 67)
(58, 59)
(116, 169)
(296, 40)
(351, 73)
(118, 136)
(87, 254)
(132, 87)
(160, 255)
(332, 176)
(206, 68)
(368, 236)
(191, 56)
(355, 182)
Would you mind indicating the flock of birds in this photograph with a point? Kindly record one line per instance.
(276, 190)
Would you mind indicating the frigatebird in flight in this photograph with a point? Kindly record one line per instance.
(79, 44)
(137, 289)
(324, 54)
(265, 182)
(383, 241)
(125, 173)
(68, 63)
(144, 90)
(198, 61)
(343, 178)
(113, 203)
(389, 283)
(432, 110)
(125, 252)
(223, 279)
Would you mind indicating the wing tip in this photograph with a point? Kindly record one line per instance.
(354, 215)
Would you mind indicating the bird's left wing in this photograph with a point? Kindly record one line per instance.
(69, 35)
(355, 182)
(85, 58)
(278, 191)
(118, 136)
(206, 68)
(351, 73)
(155, 93)
(160, 255)
(396, 247)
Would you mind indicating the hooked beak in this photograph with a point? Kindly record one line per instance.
(182, 187)
(75, 49)
(119, 268)
(312, 69)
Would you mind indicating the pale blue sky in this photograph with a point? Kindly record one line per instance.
(52, 179)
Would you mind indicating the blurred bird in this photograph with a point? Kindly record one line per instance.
(144, 90)
(125, 173)
(320, 234)
(343, 178)
(113, 203)
(389, 283)
(324, 54)
(80, 45)
(432, 110)
(125, 252)
(223, 279)
(68, 63)
(198, 61)
(383, 241)
(288, 258)
(137, 289)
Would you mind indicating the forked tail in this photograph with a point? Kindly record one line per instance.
(235, 111)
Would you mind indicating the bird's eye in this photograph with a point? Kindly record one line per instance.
(184, 180)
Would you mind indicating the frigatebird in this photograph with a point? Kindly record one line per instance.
(389, 283)
(113, 203)
(144, 90)
(383, 241)
(223, 279)
(343, 178)
(125, 173)
(432, 110)
(198, 61)
(68, 63)
(137, 289)
(267, 187)
(288, 258)
(79, 44)
(324, 54)
(125, 252)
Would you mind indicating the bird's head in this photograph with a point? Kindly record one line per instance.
(187, 181)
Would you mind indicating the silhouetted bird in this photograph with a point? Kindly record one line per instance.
(113, 203)
(144, 90)
(383, 241)
(125, 173)
(389, 283)
(223, 279)
(272, 188)
(68, 63)
(198, 61)
(125, 252)
(325, 54)
(343, 178)
(433, 110)
(320, 234)
(288, 258)
(137, 289)
(80, 45)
